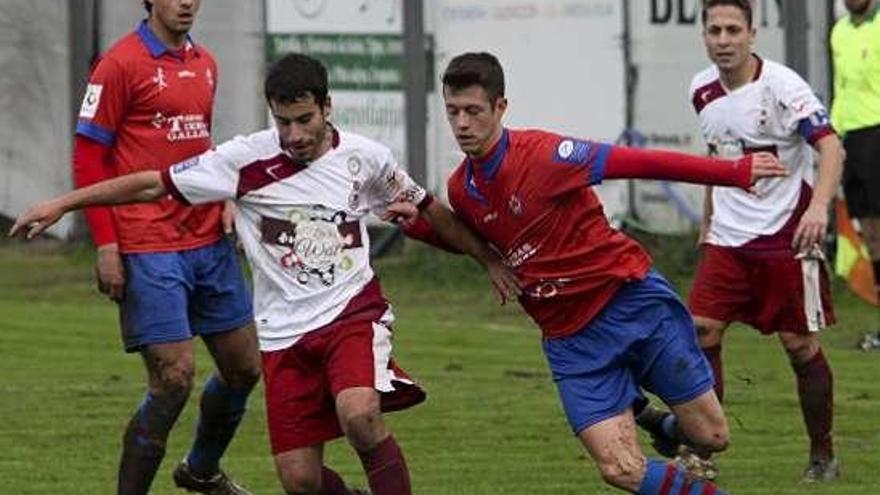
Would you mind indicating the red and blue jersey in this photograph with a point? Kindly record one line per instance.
(152, 106)
(530, 197)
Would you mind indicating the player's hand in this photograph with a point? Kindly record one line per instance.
(766, 165)
(401, 212)
(109, 272)
(228, 217)
(37, 219)
(811, 228)
(504, 280)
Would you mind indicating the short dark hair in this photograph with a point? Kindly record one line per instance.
(296, 76)
(148, 6)
(744, 5)
(481, 69)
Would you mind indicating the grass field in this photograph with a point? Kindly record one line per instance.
(491, 424)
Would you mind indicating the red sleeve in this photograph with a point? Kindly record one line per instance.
(90, 166)
(637, 163)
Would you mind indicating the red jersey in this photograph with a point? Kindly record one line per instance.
(152, 107)
(531, 199)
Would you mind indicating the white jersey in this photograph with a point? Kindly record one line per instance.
(775, 112)
(302, 225)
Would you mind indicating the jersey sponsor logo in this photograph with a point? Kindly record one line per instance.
(184, 165)
(314, 242)
(186, 74)
(572, 151)
(520, 255)
(182, 127)
(90, 101)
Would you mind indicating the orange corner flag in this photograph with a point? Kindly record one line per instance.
(852, 261)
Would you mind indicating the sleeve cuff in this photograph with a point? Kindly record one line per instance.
(171, 187)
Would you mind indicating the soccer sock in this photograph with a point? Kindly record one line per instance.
(668, 479)
(386, 469)
(332, 483)
(815, 386)
(713, 354)
(143, 445)
(221, 410)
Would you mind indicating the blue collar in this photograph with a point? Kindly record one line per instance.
(154, 44)
(488, 168)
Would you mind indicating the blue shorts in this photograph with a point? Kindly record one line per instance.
(645, 338)
(173, 296)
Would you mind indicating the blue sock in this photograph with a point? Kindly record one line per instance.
(221, 410)
(670, 479)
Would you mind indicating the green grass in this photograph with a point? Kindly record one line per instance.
(491, 424)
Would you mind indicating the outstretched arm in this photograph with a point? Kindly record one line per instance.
(637, 163)
(141, 187)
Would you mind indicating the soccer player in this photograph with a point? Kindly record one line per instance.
(761, 257)
(855, 113)
(304, 189)
(148, 104)
(610, 323)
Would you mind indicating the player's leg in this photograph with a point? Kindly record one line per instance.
(815, 386)
(673, 366)
(793, 296)
(613, 445)
(300, 470)
(381, 456)
(364, 378)
(170, 370)
(720, 294)
(597, 371)
(220, 311)
(710, 334)
(861, 189)
(154, 322)
(301, 415)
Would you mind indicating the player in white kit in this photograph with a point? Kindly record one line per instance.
(761, 251)
(303, 189)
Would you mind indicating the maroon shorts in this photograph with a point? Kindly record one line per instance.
(772, 291)
(303, 380)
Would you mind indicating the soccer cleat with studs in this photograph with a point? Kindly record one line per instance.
(218, 484)
(821, 470)
(696, 466)
(870, 342)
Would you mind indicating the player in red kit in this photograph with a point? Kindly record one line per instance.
(148, 104)
(611, 325)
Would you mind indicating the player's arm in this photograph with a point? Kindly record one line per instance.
(813, 224)
(415, 226)
(638, 163)
(90, 166)
(141, 187)
(456, 234)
